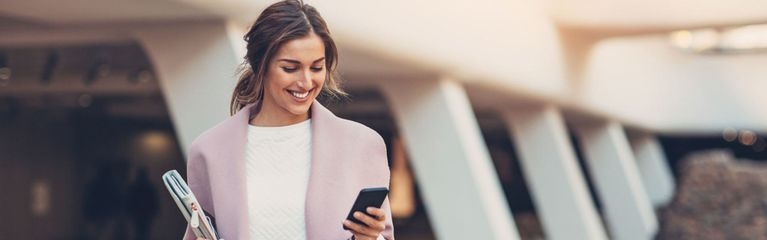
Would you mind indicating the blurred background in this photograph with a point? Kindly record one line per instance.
(507, 119)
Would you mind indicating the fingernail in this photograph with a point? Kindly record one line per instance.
(357, 214)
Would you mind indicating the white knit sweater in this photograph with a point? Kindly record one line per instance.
(277, 162)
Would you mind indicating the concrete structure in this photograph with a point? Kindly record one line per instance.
(432, 116)
(628, 211)
(195, 74)
(653, 168)
(610, 62)
(558, 186)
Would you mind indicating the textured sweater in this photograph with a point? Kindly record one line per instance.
(277, 169)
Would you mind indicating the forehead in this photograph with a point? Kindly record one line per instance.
(305, 49)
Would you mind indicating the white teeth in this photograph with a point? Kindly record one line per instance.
(299, 95)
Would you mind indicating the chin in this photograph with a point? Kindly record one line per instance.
(300, 109)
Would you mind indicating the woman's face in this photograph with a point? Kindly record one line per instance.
(294, 78)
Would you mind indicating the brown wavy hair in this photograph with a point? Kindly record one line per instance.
(279, 23)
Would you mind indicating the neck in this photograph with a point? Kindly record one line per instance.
(270, 116)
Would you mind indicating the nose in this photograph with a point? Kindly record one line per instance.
(305, 81)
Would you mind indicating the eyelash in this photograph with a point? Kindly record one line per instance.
(291, 70)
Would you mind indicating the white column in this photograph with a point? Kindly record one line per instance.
(628, 211)
(451, 162)
(556, 183)
(196, 64)
(653, 168)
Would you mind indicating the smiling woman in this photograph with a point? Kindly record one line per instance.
(293, 79)
(283, 166)
(270, 45)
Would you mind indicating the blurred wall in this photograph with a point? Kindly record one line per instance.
(38, 147)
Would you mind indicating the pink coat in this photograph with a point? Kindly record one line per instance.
(346, 157)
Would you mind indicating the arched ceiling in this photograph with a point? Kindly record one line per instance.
(523, 47)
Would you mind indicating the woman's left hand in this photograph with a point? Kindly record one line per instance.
(375, 221)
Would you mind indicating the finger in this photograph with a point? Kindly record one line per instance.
(374, 223)
(359, 229)
(377, 213)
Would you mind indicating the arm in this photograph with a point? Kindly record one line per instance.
(383, 223)
(197, 178)
(388, 232)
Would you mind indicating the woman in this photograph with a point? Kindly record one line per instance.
(283, 166)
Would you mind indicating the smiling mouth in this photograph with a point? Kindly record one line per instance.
(300, 95)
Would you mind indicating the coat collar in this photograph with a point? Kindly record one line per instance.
(322, 171)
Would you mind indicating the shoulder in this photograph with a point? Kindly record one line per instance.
(217, 136)
(210, 135)
(343, 129)
(204, 140)
(369, 151)
(369, 146)
(361, 133)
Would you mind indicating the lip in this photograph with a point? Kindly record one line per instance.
(299, 96)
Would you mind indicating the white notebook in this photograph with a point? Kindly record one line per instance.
(201, 225)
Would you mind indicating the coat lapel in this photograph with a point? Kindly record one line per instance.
(323, 175)
(233, 202)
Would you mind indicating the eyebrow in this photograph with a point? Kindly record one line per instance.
(299, 62)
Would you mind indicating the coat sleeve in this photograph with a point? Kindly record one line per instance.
(197, 178)
(383, 163)
(382, 175)
(388, 233)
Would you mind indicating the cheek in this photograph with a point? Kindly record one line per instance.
(278, 79)
(320, 78)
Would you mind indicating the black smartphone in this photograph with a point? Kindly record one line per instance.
(368, 197)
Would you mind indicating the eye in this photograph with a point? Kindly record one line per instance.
(289, 69)
(317, 69)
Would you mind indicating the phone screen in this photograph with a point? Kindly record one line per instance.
(368, 197)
